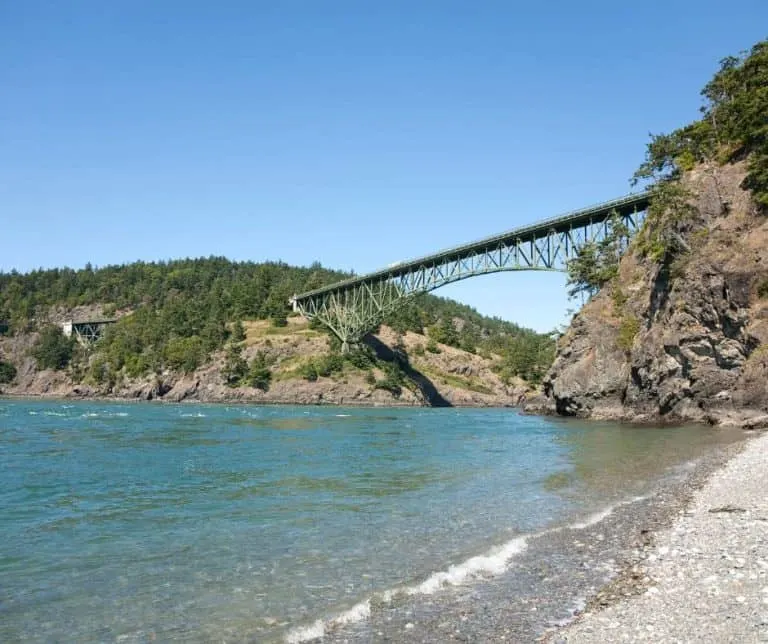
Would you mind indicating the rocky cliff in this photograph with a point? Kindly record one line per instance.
(685, 339)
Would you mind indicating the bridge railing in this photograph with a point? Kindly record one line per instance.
(559, 223)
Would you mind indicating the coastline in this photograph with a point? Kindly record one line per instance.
(564, 577)
(706, 576)
(131, 400)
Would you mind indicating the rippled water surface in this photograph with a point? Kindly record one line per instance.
(133, 522)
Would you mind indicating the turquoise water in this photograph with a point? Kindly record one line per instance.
(132, 522)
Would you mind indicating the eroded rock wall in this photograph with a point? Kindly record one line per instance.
(681, 340)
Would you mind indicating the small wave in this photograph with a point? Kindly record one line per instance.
(32, 413)
(195, 415)
(491, 564)
(592, 519)
(343, 415)
(317, 629)
(53, 413)
(597, 517)
(105, 414)
(494, 563)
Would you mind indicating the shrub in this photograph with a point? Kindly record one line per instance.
(259, 375)
(432, 346)
(628, 329)
(7, 372)
(309, 371)
(762, 288)
(235, 366)
(53, 350)
(359, 358)
(184, 354)
(329, 364)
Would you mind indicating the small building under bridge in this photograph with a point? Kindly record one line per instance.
(86, 331)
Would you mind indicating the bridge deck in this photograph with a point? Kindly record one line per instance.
(583, 216)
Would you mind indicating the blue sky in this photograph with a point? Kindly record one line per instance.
(352, 133)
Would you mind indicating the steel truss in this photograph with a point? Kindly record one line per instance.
(89, 332)
(355, 306)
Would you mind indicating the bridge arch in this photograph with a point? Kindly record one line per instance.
(353, 307)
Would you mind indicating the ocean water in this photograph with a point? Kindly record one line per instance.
(143, 522)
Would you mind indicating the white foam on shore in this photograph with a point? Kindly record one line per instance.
(592, 519)
(493, 563)
(317, 629)
(597, 517)
(306, 633)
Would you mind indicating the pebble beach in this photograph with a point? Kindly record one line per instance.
(706, 577)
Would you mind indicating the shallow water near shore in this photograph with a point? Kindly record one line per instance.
(133, 522)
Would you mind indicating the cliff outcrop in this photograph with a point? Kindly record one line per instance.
(684, 339)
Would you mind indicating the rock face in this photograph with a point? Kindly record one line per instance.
(682, 341)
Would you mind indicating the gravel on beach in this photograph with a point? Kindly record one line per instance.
(707, 575)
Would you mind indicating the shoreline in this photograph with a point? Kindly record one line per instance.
(563, 576)
(704, 577)
(254, 403)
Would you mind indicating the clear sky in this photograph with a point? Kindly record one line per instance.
(354, 133)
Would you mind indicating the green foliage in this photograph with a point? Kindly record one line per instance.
(628, 329)
(308, 371)
(184, 354)
(618, 297)
(259, 375)
(762, 288)
(235, 366)
(394, 379)
(7, 372)
(184, 310)
(444, 332)
(432, 346)
(407, 317)
(323, 366)
(597, 262)
(53, 350)
(238, 332)
(669, 216)
(329, 364)
(733, 126)
(528, 357)
(359, 358)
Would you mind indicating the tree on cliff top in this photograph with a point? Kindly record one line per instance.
(734, 125)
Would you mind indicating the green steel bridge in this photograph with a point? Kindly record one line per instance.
(353, 307)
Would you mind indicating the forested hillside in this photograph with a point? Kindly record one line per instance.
(175, 315)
